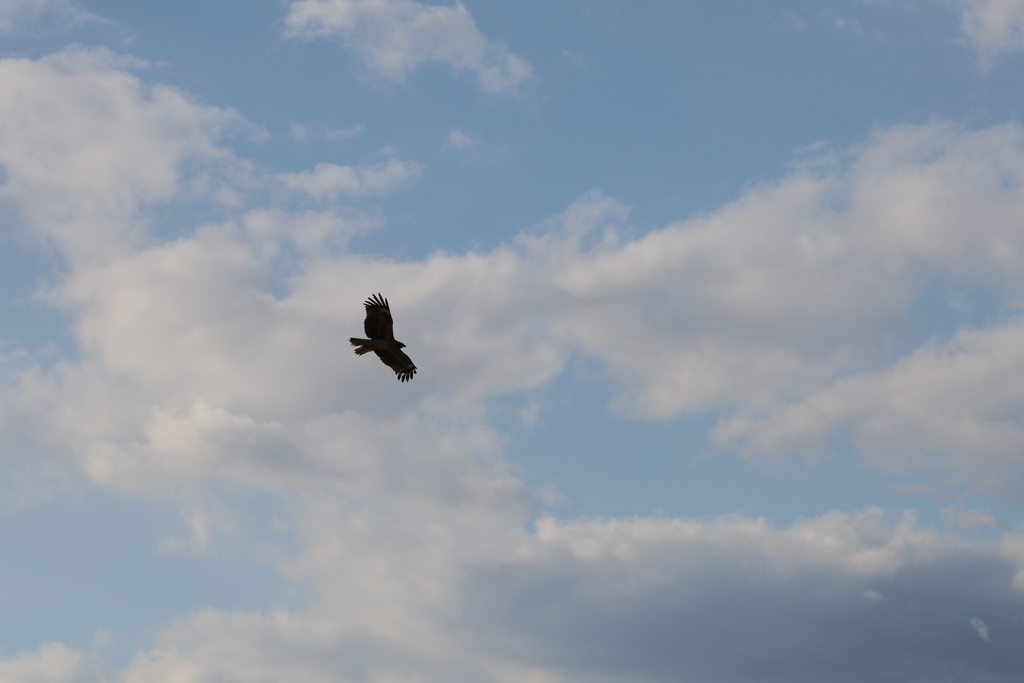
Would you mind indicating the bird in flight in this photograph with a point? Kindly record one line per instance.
(379, 327)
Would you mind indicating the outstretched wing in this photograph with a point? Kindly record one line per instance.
(378, 323)
(399, 362)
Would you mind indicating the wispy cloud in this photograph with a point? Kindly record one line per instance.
(993, 26)
(981, 628)
(56, 663)
(300, 131)
(394, 37)
(458, 139)
(327, 181)
(15, 14)
(967, 518)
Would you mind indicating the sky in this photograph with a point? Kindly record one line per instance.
(718, 310)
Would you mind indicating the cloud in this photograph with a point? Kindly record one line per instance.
(311, 231)
(993, 26)
(950, 407)
(981, 628)
(86, 144)
(815, 271)
(736, 599)
(93, 177)
(210, 369)
(327, 181)
(966, 518)
(394, 37)
(103, 639)
(460, 140)
(109, 147)
(299, 131)
(14, 14)
(614, 601)
(55, 663)
(777, 311)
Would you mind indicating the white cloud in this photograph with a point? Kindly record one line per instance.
(993, 26)
(777, 310)
(394, 37)
(612, 601)
(109, 147)
(311, 231)
(86, 144)
(950, 408)
(55, 663)
(342, 133)
(211, 365)
(967, 518)
(299, 131)
(981, 628)
(327, 181)
(103, 639)
(723, 600)
(15, 14)
(460, 140)
(796, 280)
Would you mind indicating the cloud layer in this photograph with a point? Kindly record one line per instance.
(327, 181)
(994, 26)
(841, 598)
(16, 14)
(394, 37)
(210, 366)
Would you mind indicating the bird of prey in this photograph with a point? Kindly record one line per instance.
(379, 327)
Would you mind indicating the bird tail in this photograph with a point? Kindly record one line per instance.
(360, 344)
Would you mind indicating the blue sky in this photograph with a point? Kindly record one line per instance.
(716, 309)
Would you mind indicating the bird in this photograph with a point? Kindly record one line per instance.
(379, 327)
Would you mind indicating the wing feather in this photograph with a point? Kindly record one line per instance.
(378, 323)
(399, 362)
